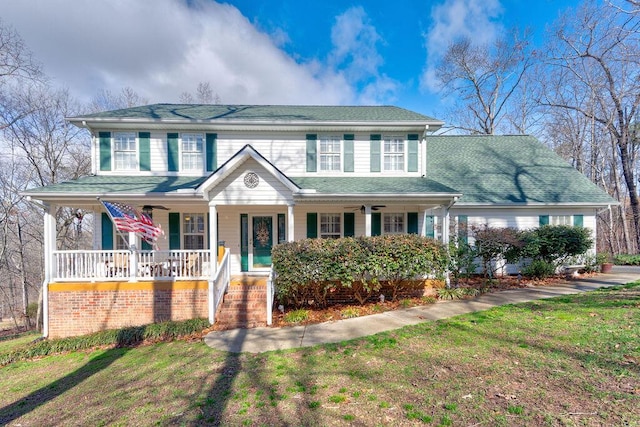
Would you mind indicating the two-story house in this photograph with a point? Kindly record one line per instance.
(245, 178)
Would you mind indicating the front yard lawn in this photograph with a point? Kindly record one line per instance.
(572, 360)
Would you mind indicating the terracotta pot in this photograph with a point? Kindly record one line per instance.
(606, 267)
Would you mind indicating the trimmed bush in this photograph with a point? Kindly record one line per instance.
(539, 269)
(310, 270)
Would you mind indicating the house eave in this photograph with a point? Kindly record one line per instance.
(305, 197)
(256, 125)
(535, 205)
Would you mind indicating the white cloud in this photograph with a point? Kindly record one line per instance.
(165, 47)
(355, 53)
(475, 19)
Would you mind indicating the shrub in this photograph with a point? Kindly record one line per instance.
(626, 259)
(539, 269)
(555, 243)
(125, 337)
(296, 316)
(309, 270)
(494, 244)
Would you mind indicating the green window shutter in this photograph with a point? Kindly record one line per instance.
(244, 242)
(282, 228)
(349, 224)
(463, 228)
(173, 152)
(312, 156)
(543, 220)
(144, 151)
(211, 151)
(375, 153)
(429, 229)
(174, 230)
(107, 232)
(312, 225)
(578, 220)
(105, 150)
(412, 165)
(376, 223)
(412, 222)
(348, 152)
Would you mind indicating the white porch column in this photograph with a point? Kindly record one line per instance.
(213, 239)
(367, 220)
(49, 262)
(424, 223)
(290, 223)
(213, 262)
(445, 225)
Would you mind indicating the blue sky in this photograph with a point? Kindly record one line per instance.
(264, 52)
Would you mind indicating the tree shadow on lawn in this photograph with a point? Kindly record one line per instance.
(58, 387)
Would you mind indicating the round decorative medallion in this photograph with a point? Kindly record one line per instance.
(251, 180)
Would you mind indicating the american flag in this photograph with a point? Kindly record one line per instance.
(127, 219)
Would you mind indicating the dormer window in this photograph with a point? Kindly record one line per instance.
(192, 152)
(124, 151)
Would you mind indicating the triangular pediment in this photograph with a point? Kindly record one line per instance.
(248, 178)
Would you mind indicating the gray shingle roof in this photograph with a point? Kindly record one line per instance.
(507, 170)
(372, 185)
(103, 184)
(266, 113)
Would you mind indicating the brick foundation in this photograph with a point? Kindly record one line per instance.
(83, 308)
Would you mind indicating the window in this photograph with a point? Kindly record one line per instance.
(393, 154)
(330, 153)
(330, 226)
(193, 227)
(124, 151)
(122, 240)
(393, 223)
(560, 220)
(192, 151)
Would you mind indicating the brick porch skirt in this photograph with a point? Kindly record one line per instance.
(81, 308)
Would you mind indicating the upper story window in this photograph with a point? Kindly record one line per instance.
(393, 154)
(193, 229)
(329, 153)
(330, 226)
(124, 151)
(192, 151)
(393, 223)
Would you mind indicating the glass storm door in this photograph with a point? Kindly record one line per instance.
(262, 241)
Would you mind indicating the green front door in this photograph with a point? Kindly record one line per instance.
(262, 241)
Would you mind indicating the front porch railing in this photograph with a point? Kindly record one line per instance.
(131, 265)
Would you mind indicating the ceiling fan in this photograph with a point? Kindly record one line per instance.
(363, 207)
(149, 208)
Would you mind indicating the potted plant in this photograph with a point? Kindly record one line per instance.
(604, 261)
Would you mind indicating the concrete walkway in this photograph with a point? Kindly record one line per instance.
(263, 339)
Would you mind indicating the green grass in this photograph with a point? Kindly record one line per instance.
(573, 360)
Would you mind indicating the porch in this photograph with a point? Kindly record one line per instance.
(125, 265)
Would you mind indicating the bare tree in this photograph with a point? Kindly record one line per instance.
(484, 78)
(17, 66)
(594, 71)
(106, 100)
(204, 95)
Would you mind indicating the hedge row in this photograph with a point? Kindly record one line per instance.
(125, 337)
(310, 270)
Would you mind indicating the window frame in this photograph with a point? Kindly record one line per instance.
(397, 215)
(389, 155)
(191, 230)
(196, 162)
(324, 154)
(561, 220)
(125, 158)
(328, 220)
